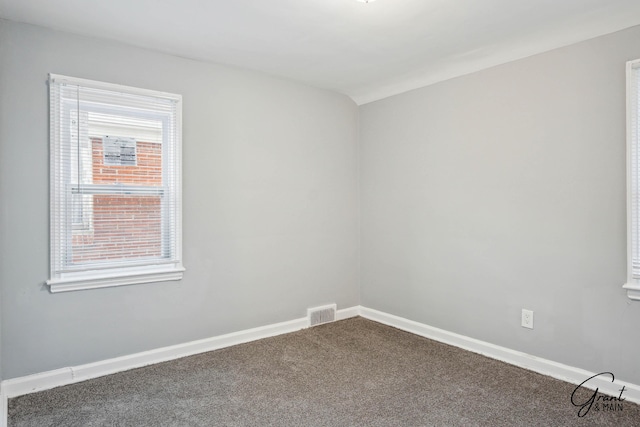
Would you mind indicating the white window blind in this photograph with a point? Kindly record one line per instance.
(633, 178)
(115, 184)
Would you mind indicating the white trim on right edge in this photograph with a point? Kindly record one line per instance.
(4, 407)
(633, 144)
(542, 366)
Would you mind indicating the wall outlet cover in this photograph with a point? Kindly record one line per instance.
(527, 318)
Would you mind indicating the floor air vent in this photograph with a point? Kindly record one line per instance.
(320, 315)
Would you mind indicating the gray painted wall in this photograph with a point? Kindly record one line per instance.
(502, 190)
(270, 205)
(479, 196)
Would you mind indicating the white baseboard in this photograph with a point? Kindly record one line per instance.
(64, 376)
(347, 313)
(59, 377)
(542, 366)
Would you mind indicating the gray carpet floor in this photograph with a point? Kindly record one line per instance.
(349, 373)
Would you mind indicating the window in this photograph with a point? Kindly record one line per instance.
(633, 180)
(115, 185)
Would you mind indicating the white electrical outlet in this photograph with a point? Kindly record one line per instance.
(527, 318)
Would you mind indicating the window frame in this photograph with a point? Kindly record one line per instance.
(61, 280)
(632, 285)
(83, 226)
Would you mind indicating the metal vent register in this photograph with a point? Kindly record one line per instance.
(320, 315)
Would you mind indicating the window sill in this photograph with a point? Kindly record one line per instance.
(633, 291)
(93, 281)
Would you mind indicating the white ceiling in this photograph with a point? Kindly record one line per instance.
(367, 51)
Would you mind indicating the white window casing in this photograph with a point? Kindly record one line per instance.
(115, 198)
(633, 180)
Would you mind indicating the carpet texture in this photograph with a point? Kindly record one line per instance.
(349, 373)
